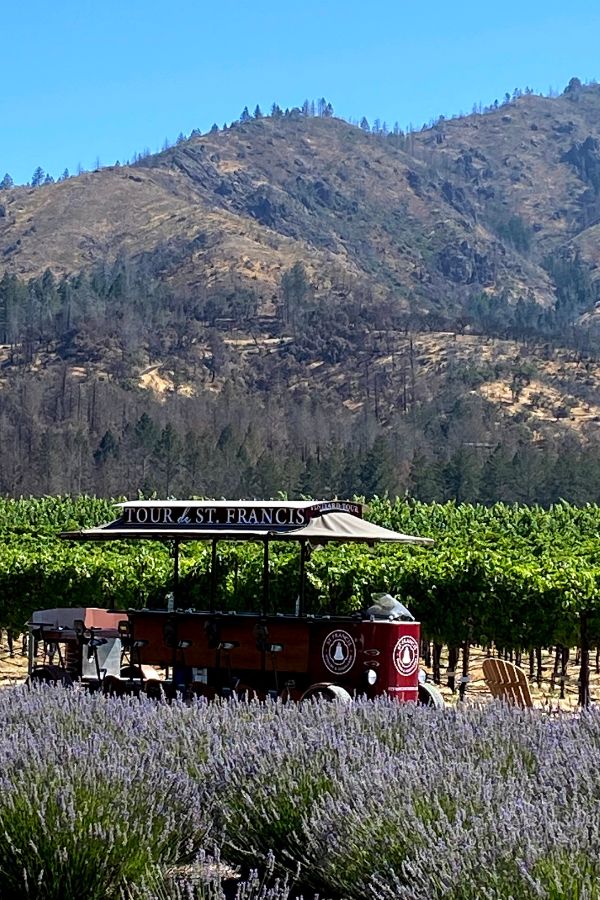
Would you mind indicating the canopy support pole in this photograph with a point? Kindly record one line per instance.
(265, 591)
(175, 573)
(302, 592)
(213, 574)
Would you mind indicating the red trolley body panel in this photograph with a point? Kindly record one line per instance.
(270, 654)
(367, 657)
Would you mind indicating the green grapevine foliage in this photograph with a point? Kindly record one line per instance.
(515, 575)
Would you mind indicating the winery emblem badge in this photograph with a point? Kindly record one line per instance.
(406, 655)
(339, 652)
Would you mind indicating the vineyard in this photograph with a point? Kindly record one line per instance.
(515, 577)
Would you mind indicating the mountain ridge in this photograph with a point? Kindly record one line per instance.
(431, 291)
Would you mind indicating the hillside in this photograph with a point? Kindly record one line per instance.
(253, 200)
(295, 302)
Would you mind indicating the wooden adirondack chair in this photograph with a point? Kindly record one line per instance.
(507, 682)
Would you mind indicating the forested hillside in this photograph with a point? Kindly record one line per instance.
(297, 303)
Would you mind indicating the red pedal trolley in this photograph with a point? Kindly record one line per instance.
(298, 655)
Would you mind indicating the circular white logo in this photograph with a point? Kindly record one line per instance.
(339, 652)
(406, 655)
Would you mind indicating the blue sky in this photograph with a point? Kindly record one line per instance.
(103, 80)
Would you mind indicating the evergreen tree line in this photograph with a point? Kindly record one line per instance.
(525, 320)
(248, 434)
(113, 442)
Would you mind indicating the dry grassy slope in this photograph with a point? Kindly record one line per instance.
(495, 383)
(100, 215)
(518, 151)
(549, 397)
(256, 198)
(362, 201)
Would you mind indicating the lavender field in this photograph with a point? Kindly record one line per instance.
(122, 798)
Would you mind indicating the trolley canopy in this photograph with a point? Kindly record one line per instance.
(246, 520)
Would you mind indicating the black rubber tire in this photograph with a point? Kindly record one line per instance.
(50, 675)
(112, 686)
(326, 692)
(132, 671)
(153, 689)
(430, 695)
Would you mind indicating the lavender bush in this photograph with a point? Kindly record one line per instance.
(92, 795)
(207, 882)
(116, 798)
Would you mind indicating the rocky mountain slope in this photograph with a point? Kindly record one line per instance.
(434, 291)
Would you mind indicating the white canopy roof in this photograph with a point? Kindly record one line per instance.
(341, 527)
(315, 522)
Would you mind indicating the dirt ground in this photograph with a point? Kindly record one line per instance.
(14, 671)
(543, 695)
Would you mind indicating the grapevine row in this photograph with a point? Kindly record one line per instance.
(515, 576)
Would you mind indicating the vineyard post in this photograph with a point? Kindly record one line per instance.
(584, 672)
(538, 666)
(563, 670)
(466, 648)
(437, 655)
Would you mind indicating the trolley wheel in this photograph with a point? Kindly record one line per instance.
(153, 689)
(113, 686)
(131, 672)
(430, 695)
(326, 691)
(50, 675)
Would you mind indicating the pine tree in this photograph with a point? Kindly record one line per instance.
(497, 476)
(145, 437)
(462, 476)
(245, 116)
(38, 177)
(364, 124)
(6, 297)
(258, 112)
(108, 446)
(166, 453)
(425, 482)
(376, 469)
(294, 288)
(6, 183)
